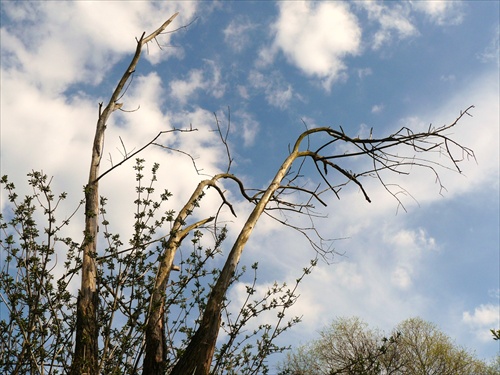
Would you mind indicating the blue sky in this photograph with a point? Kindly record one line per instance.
(357, 65)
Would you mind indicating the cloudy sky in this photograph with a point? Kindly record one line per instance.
(278, 66)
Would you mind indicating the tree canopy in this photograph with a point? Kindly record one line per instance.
(349, 346)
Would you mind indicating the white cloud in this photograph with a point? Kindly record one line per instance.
(349, 276)
(491, 51)
(246, 127)
(53, 126)
(411, 241)
(280, 97)
(266, 56)
(364, 72)
(483, 315)
(88, 37)
(408, 247)
(401, 278)
(278, 93)
(494, 293)
(316, 37)
(448, 78)
(183, 89)
(484, 318)
(480, 132)
(242, 90)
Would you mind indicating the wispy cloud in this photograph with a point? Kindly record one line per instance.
(278, 93)
(393, 19)
(238, 33)
(491, 51)
(208, 80)
(448, 78)
(441, 12)
(246, 127)
(377, 108)
(364, 72)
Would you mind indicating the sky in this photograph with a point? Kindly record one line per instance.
(276, 68)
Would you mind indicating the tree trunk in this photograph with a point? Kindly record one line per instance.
(156, 347)
(197, 357)
(86, 349)
(85, 358)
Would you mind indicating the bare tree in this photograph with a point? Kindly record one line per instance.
(154, 361)
(85, 359)
(393, 154)
(131, 282)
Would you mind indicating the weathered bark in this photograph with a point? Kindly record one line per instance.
(86, 348)
(198, 355)
(156, 347)
(85, 358)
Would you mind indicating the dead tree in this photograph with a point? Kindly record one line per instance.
(156, 348)
(85, 358)
(395, 153)
(197, 357)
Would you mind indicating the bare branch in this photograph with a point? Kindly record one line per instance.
(159, 30)
(198, 171)
(128, 157)
(224, 137)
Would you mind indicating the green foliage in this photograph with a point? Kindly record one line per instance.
(415, 347)
(37, 311)
(38, 301)
(239, 355)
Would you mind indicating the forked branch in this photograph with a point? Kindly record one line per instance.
(197, 357)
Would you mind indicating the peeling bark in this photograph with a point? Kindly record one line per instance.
(198, 355)
(156, 348)
(85, 358)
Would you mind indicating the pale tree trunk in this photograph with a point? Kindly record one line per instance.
(85, 357)
(156, 347)
(198, 355)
